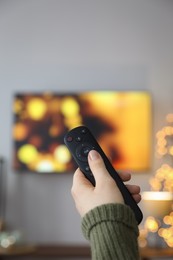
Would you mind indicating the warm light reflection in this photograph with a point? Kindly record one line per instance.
(45, 166)
(53, 130)
(18, 106)
(161, 196)
(20, 131)
(163, 179)
(159, 201)
(151, 224)
(27, 153)
(160, 221)
(171, 150)
(71, 111)
(120, 121)
(69, 107)
(35, 140)
(142, 239)
(62, 154)
(163, 147)
(71, 122)
(167, 232)
(36, 108)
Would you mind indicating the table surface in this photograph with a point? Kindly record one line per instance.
(75, 251)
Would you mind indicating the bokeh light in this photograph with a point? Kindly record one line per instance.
(162, 181)
(27, 153)
(117, 120)
(20, 131)
(36, 108)
(62, 154)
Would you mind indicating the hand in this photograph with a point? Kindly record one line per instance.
(87, 197)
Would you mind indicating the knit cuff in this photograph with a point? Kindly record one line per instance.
(117, 213)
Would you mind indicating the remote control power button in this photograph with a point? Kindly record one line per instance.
(69, 139)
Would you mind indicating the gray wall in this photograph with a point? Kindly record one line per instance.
(71, 45)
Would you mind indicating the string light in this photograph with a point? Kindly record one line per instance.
(161, 181)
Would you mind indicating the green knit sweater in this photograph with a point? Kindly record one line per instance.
(112, 231)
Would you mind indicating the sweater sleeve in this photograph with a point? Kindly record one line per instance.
(112, 231)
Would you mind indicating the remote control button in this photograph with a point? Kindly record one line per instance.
(82, 151)
(84, 131)
(85, 150)
(87, 168)
(78, 139)
(69, 139)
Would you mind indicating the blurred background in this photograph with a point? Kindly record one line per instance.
(75, 46)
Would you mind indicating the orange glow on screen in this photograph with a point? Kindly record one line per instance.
(120, 121)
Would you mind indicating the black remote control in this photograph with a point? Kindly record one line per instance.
(80, 141)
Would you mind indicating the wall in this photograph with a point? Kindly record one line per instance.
(63, 45)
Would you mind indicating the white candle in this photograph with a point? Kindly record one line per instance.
(157, 203)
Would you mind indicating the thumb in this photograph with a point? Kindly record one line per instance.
(97, 166)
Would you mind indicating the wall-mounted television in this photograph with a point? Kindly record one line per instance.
(120, 121)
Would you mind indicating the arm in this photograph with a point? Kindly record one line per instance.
(108, 223)
(112, 232)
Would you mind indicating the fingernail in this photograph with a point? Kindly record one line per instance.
(94, 155)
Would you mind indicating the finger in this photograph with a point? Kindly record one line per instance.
(134, 189)
(97, 166)
(125, 176)
(137, 197)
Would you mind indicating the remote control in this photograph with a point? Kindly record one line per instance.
(80, 141)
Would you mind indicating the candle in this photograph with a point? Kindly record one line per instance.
(157, 203)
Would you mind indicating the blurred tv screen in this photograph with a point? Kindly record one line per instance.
(119, 120)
